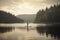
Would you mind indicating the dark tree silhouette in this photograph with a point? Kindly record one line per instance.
(6, 17)
(51, 15)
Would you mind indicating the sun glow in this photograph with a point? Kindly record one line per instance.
(17, 7)
(26, 8)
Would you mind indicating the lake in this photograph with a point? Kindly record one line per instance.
(20, 32)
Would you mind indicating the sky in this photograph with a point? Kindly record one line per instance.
(17, 7)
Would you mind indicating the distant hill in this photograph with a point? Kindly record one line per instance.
(27, 17)
(6, 17)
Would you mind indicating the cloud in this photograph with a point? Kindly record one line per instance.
(35, 2)
(24, 5)
(52, 1)
(9, 2)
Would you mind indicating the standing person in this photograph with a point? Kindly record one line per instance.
(27, 26)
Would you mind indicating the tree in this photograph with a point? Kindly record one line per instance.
(6, 17)
(51, 15)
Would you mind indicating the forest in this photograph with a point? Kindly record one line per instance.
(6, 17)
(50, 15)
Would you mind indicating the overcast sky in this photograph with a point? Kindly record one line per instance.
(17, 7)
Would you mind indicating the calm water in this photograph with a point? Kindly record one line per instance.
(20, 32)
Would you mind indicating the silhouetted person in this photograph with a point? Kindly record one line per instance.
(27, 26)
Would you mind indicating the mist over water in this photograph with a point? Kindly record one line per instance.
(20, 32)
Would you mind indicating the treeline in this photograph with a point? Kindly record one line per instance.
(50, 15)
(6, 17)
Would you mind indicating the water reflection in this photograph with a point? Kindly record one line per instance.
(6, 29)
(53, 30)
(20, 32)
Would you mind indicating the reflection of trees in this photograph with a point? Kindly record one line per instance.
(53, 29)
(41, 29)
(6, 29)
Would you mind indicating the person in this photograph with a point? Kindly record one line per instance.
(27, 26)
